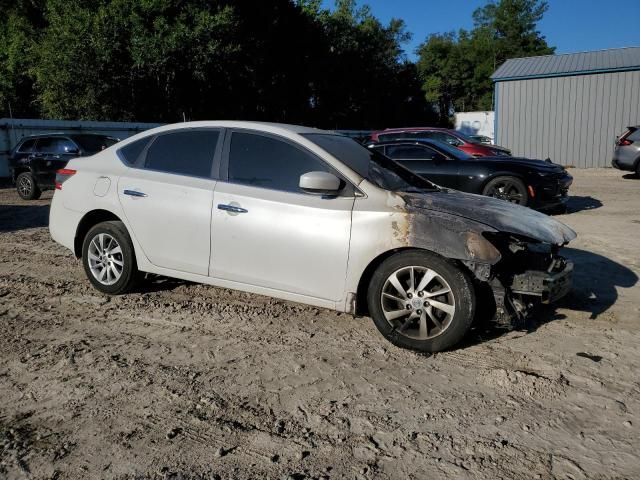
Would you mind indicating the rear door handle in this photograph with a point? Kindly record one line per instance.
(232, 208)
(134, 193)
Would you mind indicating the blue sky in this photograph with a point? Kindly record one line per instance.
(569, 25)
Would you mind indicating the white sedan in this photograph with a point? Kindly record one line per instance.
(310, 216)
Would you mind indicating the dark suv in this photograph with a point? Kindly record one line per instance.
(34, 160)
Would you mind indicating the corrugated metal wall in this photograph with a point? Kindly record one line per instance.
(573, 120)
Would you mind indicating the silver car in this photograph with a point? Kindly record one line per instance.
(626, 155)
(310, 216)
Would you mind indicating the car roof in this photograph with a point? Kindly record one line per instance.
(426, 141)
(282, 128)
(414, 129)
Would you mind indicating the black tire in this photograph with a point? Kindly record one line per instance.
(515, 190)
(129, 273)
(461, 288)
(27, 187)
(638, 169)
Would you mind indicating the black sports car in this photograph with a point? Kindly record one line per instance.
(535, 183)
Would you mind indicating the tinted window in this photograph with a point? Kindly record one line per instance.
(265, 162)
(371, 164)
(27, 146)
(184, 152)
(635, 136)
(56, 145)
(411, 152)
(443, 137)
(94, 143)
(451, 151)
(131, 152)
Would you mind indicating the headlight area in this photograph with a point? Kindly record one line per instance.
(528, 274)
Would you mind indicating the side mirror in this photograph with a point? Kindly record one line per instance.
(320, 183)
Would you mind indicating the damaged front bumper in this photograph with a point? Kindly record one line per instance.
(528, 274)
(548, 286)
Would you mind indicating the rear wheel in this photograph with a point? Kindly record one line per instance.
(511, 189)
(419, 301)
(27, 186)
(108, 258)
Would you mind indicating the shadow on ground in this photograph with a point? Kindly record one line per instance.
(20, 217)
(577, 203)
(595, 282)
(156, 283)
(630, 176)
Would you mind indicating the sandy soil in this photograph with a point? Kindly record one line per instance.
(182, 380)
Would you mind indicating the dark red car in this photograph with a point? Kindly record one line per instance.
(452, 137)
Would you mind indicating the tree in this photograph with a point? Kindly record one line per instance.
(162, 60)
(19, 25)
(456, 68)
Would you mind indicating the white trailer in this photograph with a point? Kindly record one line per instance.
(476, 123)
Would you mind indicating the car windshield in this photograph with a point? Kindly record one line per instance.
(94, 143)
(467, 138)
(450, 150)
(370, 164)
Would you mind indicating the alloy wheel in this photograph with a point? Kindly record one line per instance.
(25, 186)
(418, 302)
(507, 190)
(105, 258)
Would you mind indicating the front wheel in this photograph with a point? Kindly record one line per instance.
(511, 189)
(108, 258)
(419, 301)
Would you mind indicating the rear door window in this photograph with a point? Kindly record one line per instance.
(266, 162)
(56, 145)
(186, 152)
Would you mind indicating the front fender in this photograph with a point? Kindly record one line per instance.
(450, 236)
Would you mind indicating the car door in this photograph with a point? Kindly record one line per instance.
(51, 154)
(426, 162)
(268, 233)
(167, 196)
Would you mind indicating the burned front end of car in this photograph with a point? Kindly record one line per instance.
(529, 273)
(512, 252)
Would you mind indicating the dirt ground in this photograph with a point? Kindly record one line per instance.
(189, 381)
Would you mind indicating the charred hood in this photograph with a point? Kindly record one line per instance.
(497, 214)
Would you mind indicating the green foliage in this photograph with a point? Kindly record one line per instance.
(456, 68)
(157, 60)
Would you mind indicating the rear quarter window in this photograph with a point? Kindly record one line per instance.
(130, 153)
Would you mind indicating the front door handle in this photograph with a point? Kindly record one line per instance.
(134, 193)
(232, 208)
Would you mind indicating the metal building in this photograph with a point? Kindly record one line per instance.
(569, 108)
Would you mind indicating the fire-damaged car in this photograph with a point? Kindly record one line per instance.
(309, 216)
